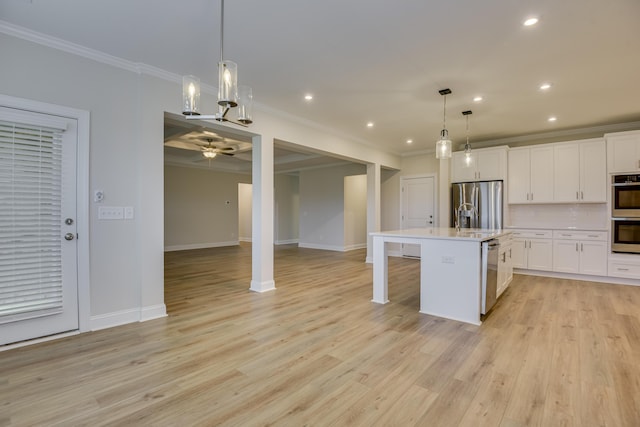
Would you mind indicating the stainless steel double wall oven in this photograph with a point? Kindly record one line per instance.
(625, 213)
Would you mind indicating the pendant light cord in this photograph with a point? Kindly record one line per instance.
(444, 114)
(221, 30)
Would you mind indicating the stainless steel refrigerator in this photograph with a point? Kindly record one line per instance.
(477, 204)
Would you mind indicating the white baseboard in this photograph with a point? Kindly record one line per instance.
(583, 277)
(322, 247)
(200, 246)
(286, 242)
(355, 247)
(265, 286)
(153, 312)
(244, 239)
(109, 320)
(118, 318)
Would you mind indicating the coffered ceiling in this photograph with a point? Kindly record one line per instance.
(384, 61)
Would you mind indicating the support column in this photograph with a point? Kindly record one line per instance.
(444, 192)
(373, 205)
(262, 215)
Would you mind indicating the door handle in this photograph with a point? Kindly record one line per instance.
(69, 236)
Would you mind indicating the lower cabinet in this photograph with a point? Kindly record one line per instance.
(625, 266)
(532, 249)
(580, 252)
(505, 266)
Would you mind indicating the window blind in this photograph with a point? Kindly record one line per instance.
(30, 221)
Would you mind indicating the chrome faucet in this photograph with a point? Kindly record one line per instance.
(462, 207)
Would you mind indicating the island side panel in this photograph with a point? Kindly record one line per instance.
(380, 271)
(450, 279)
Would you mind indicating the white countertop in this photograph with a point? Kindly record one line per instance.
(468, 234)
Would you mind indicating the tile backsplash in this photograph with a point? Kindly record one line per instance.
(585, 216)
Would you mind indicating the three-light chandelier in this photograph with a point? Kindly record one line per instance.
(230, 95)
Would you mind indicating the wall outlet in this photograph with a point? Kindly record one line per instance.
(98, 196)
(110, 212)
(448, 260)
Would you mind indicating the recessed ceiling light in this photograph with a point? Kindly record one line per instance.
(477, 99)
(370, 124)
(552, 119)
(545, 86)
(308, 97)
(530, 21)
(409, 141)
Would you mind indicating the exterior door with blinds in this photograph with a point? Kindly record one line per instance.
(38, 250)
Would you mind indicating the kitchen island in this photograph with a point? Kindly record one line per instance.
(450, 269)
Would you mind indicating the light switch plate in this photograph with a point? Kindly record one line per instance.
(110, 212)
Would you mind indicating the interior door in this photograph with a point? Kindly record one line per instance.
(38, 250)
(418, 207)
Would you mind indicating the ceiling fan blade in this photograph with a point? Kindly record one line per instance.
(184, 145)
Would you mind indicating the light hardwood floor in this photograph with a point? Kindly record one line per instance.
(317, 352)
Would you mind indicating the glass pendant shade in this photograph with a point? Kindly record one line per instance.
(468, 160)
(245, 105)
(190, 96)
(443, 146)
(227, 84)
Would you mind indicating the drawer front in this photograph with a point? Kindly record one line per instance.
(580, 235)
(529, 234)
(629, 271)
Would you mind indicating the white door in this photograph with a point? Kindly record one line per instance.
(38, 250)
(418, 207)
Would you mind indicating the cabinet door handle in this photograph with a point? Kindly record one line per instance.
(592, 235)
(577, 198)
(581, 247)
(582, 195)
(576, 247)
(624, 269)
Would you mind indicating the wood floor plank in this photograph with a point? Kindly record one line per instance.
(317, 352)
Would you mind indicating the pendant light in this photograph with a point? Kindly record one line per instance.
(443, 145)
(467, 147)
(229, 94)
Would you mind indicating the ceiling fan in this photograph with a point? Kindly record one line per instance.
(210, 151)
(208, 143)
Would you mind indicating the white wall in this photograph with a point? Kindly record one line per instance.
(322, 206)
(287, 209)
(355, 212)
(244, 212)
(201, 208)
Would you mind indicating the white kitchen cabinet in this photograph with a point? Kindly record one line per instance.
(530, 177)
(532, 249)
(505, 266)
(485, 165)
(581, 252)
(580, 172)
(623, 151)
(624, 266)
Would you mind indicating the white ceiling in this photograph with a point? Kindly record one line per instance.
(382, 60)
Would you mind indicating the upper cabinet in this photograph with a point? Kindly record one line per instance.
(623, 151)
(566, 172)
(484, 165)
(530, 175)
(579, 172)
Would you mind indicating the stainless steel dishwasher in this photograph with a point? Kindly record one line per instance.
(490, 250)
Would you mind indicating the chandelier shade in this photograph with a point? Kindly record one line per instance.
(190, 95)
